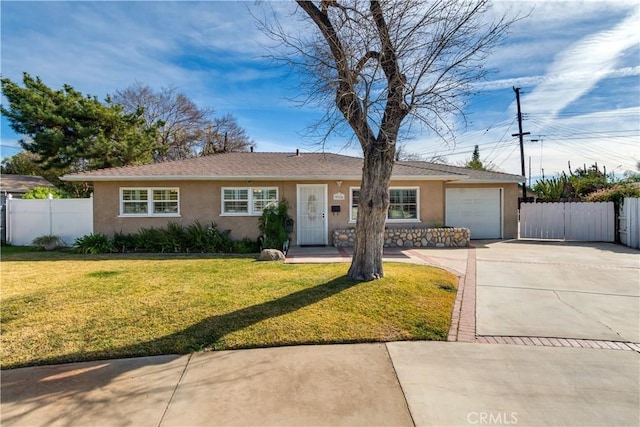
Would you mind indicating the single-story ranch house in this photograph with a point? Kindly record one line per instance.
(322, 189)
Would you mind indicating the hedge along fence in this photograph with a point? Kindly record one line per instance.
(445, 237)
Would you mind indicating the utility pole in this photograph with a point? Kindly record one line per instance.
(541, 170)
(520, 134)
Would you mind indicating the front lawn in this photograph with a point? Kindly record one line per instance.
(61, 307)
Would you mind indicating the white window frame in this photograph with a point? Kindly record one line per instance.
(353, 219)
(251, 210)
(150, 202)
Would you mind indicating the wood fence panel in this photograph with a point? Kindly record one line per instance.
(583, 221)
(589, 221)
(542, 221)
(630, 222)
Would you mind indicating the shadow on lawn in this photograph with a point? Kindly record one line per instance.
(75, 381)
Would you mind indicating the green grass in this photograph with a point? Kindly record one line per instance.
(60, 307)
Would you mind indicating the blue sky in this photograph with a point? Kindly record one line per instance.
(577, 64)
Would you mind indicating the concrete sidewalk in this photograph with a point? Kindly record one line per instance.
(396, 384)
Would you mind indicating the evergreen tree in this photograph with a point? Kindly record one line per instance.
(67, 130)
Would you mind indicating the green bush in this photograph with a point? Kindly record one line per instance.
(198, 237)
(93, 244)
(124, 242)
(174, 238)
(614, 194)
(43, 193)
(177, 238)
(246, 246)
(220, 240)
(150, 240)
(273, 225)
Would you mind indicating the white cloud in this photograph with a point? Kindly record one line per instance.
(564, 51)
(578, 69)
(557, 79)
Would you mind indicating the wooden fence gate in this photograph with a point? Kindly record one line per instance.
(583, 221)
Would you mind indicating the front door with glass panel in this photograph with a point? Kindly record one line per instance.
(312, 214)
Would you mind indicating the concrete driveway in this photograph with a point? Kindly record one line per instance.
(558, 289)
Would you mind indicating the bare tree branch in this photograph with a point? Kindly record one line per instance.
(378, 66)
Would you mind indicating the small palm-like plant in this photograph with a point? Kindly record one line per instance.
(93, 244)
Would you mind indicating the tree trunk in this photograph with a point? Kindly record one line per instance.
(373, 205)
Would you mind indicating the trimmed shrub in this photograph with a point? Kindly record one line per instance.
(124, 242)
(246, 246)
(174, 238)
(93, 244)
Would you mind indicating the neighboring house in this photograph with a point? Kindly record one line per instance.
(531, 195)
(322, 189)
(17, 185)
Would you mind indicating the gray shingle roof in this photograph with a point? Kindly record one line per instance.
(22, 183)
(281, 166)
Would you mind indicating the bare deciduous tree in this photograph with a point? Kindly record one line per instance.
(224, 135)
(185, 130)
(379, 65)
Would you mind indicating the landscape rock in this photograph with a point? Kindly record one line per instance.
(271, 255)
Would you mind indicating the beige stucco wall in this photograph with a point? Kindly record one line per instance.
(200, 200)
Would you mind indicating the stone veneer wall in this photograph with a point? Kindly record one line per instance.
(410, 237)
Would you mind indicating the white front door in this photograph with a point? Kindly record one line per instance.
(312, 214)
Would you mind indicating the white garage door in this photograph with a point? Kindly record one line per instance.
(478, 209)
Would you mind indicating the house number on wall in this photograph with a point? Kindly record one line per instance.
(338, 196)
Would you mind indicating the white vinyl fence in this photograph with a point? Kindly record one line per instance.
(31, 218)
(630, 222)
(584, 221)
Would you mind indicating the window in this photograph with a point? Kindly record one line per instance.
(355, 199)
(247, 201)
(403, 204)
(235, 200)
(149, 201)
(262, 197)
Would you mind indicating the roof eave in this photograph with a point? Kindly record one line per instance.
(106, 178)
(202, 178)
(495, 181)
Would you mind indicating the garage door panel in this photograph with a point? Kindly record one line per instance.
(478, 209)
